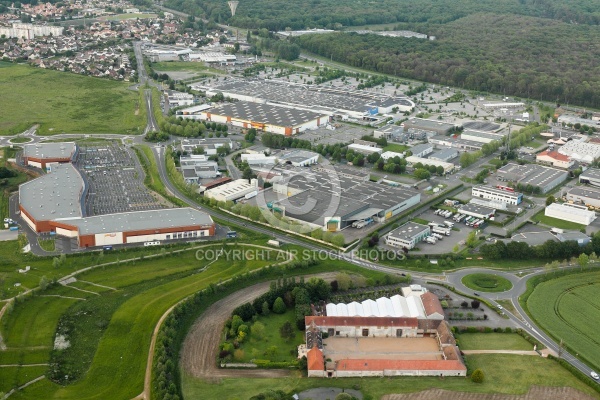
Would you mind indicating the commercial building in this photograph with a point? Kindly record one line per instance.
(578, 150)
(448, 167)
(54, 203)
(542, 177)
(477, 211)
(397, 336)
(456, 143)
(178, 99)
(40, 154)
(590, 197)
(422, 150)
(493, 106)
(298, 158)
(430, 126)
(408, 235)
(574, 236)
(213, 57)
(444, 155)
(590, 176)
(480, 136)
(364, 149)
(571, 213)
(575, 119)
(233, 190)
(504, 194)
(193, 112)
(258, 159)
(388, 131)
(334, 200)
(136, 227)
(264, 117)
(554, 159)
(330, 101)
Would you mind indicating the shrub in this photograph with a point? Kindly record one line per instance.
(343, 396)
(279, 306)
(477, 376)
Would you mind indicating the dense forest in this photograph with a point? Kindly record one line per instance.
(300, 14)
(524, 56)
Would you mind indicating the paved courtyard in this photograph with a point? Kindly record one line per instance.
(339, 348)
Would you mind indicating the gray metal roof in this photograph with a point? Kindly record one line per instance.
(49, 150)
(266, 114)
(140, 220)
(54, 195)
(428, 124)
(421, 148)
(585, 192)
(409, 230)
(590, 173)
(445, 154)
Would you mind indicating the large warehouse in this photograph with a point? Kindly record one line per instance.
(584, 195)
(324, 198)
(545, 178)
(590, 176)
(54, 203)
(265, 117)
(571, 213)
(40, 154)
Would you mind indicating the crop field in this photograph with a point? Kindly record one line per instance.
(505, 373)
(62, 102)
(568, 308)
(493, 341)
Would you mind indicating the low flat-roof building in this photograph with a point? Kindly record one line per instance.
(408, 235)
(178, 99)
(545, 178)
(388, 131)
(421, 150)
(581, 151)
(590, 176)
(480, 136)
(391, 154)
(298, 158)
(505, 195)
(571, 213)
(258, 159)
(477, 211)
(193, 112)
(574, 236)
(233, 190)
(444, 155)
(265, 117)
(448, 167)
(136, 227)
(588, 196)
(39, 154)
(429, 125)
(456, 142)
(209, 145)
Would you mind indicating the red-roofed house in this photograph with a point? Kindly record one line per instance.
(433, 307)
(316, 364)
(554, 158)
(374, 367)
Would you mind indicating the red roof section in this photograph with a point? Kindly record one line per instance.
(432, 304)
(554, 154)
(314, 359)
(217, 182)
(380, 365)
(362, 321)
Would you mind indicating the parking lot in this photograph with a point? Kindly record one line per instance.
(115, 180)
(342, 134)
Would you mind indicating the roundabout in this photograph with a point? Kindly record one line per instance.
(487, 282)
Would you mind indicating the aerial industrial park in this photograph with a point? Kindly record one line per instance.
(201, 204)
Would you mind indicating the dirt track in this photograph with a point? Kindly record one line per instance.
(200, 348)
(535, 393)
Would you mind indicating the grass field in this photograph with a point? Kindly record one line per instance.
(21, 139)
(398, 148)
(568, 308)
(504, 373)
(16, 376)
(486, 282)
(555, 222)
(65, 102)
(258, 348)
(493, 341)
(47, 244)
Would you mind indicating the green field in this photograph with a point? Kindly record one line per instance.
(64, 102)
(398, 148)
(21, 139)
(258, 348)
(504, 373)
(486, 282)
(493, 341)
(568, 308)
(191, 66)
(555, 222)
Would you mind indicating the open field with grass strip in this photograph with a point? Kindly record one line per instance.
(493, 341)
(487, 282)
(555, 222)
(62, 102)
(11, 377)
(271, 346)
(568, 308)
(504, 373)
(125, 318)
(398, 148)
